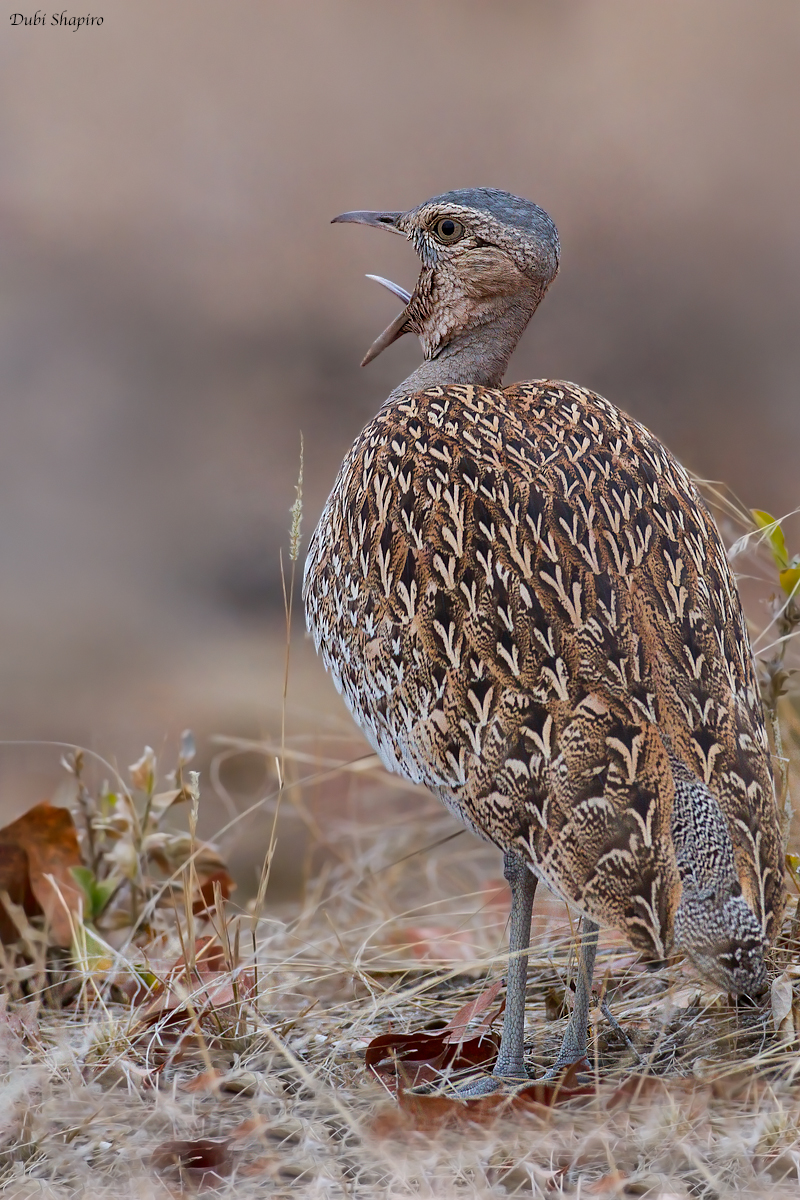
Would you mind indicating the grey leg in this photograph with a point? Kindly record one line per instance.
(510, 1066)
(510, 1059)
(573, 1045)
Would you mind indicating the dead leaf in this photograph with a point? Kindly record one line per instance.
(15, 883)
(738, 1085)
(123, 1069)
(24, 1020)
(779, 1166)
(608, 1185)
(200, 1162)
(781, 996)
(408, 1059)
(420, 1057)
(208, 954)
(429, 1113)
(143, 771)
(240, 1083)
(206, 992)
(42, 843)
(203, 904)
(204, 1081)
(164, 800)
(456, 1027)
(637, 1088)
(255, 1167)
(436, 943)
(17, 1025)
(555, 1004)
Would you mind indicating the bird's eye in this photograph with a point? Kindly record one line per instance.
(447, 230)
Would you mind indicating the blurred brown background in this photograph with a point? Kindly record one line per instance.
(175, 307)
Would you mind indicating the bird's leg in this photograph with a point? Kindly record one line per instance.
(510, 1066)
(573, 1045)
(510, 1058)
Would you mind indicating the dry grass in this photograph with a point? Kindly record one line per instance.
(260, 1088)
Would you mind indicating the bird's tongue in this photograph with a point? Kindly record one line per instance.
(399, 325)
(394, 288)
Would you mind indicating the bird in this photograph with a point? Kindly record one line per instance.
(527, 607)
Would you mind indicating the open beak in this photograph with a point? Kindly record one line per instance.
(400, 325)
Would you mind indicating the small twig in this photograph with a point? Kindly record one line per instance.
(602, 1004)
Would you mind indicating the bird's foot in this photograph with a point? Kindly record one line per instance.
(570, 1064)
(478, 1084)
(490, 1085)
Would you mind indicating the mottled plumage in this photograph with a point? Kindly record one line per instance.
(527, 607)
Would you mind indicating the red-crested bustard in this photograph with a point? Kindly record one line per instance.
(527, 607)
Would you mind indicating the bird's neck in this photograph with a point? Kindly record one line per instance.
(478, 355)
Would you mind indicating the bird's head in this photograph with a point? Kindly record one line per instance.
(719, 932)
(487, 259)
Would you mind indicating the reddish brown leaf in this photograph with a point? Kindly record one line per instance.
(408, 1059)
(200, 1162)
(18, 1025)
(250, 1127)
(413, 1058)
(470, 1010)
(736, 1085)
(436, 943)
(255, 1167)
(208, 955)
(135, 988)
(41, 843)
(204, 902)
(429, 1113)
(637, 1088)
(207, 992)
(15, 880)
(209, 958)
(22, 1020)
(606, 1185)
(205, 1081)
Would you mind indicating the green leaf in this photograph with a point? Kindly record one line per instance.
(102, 892)
(97, 892)
(91, 953)
(790, 578)
(777, 543)
(85, 881)
(147, 977)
